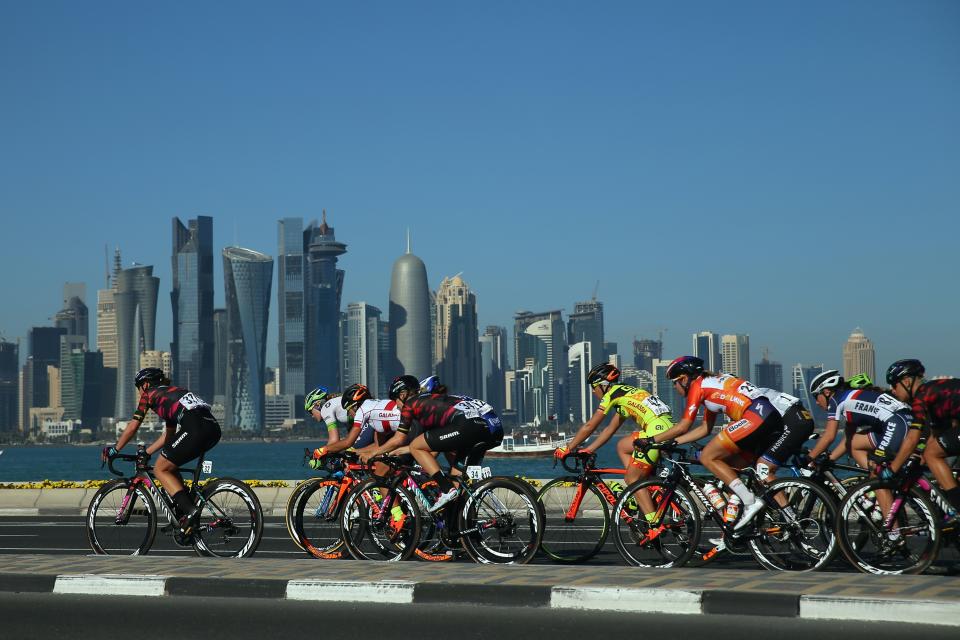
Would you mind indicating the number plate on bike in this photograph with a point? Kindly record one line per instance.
(478, 473)
(207, 466)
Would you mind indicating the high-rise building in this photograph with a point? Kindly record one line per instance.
(135, 300)
(9, 383)
(586, 323)
(706, 346)
(493, 366)
(859, 356)
(323, 288)
(541, 346)
(162, 360)
(801, 375)
(291, 305)
(735, 355)
(74, 318)
(72, 348)
(219, 353)
(191, 300)
(582, 402)
(768, 374)
(248, 277)
(43, 352)
(645, 351)
(107, 317)
(456, 338)
(365, 356)
(410, 322)
(664, 389)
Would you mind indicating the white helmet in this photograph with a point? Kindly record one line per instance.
(827, 380)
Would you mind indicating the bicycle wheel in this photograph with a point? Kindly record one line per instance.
(434, 544)
(910, 546)
(669, 542)
(379, 522)
(504, 521)
(291, 510)
(800, 536)
(317, 519)
(231, 522)
(573, 534)
(121, 519)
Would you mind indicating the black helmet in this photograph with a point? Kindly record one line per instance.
(150, 374)
(603, 372)
(690, 365)
(403, 383)
(904, 368)
(353, 396)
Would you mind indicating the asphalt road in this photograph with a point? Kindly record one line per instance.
(27, 616)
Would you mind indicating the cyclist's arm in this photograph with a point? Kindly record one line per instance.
(398, 440)
(159, 442)
(907, 447)
(341, 444)
(128, 432)
(701, 431)
(845, 444)
(829, 435)
(333, 434)
(675, 431)
(604, 436)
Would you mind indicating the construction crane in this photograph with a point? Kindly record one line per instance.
(596, 290)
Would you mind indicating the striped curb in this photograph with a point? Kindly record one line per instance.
(620, 599)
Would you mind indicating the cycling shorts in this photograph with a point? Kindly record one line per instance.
(950, 441)
(757, 430)
(197, 432)
(461, 436)
(797, 427)
(652, 428)
(365, 439)
(887, 437)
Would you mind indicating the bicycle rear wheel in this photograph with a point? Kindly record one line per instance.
(290, 512)
(802, 537)
(670, 541)
(573, 535)
(503, 522)
(231, 522)
(121, 519)
(317, 519)
(379, 522)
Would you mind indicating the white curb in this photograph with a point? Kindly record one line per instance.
(385, 591)
(626, 599)
(915, 611)
(111, 584)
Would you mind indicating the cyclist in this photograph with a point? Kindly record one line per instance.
(379, 418)
(452, 425)
(432, 384)
(859, 381)
(936, 406)
(651, 415)
(328, 408)
(755, 425)
(798, 425)
(191, 430)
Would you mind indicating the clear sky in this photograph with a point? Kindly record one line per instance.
(787, 170)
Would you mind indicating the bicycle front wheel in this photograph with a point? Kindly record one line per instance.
(379, 522)
(121, 519)
(910, 545)
(669, 541)
(577, 520)
(291, 511)
(501, 522)
(317, 519)
(231, 522)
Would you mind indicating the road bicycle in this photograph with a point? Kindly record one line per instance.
(122, 515)
(795, 537)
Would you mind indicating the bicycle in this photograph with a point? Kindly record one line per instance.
(577, 510)
(497, 519)
(122, 515)
(780, 538)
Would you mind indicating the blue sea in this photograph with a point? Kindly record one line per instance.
(245, 460)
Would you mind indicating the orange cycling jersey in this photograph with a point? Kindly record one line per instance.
(720, 394)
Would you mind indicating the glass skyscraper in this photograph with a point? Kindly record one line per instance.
(248, 277)
(410, 317)
(323, 288)
(456, 337)
(9, 384)
(291, 308)
(192, 302)
(135, 305)
(586, 323)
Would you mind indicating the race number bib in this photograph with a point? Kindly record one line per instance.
(473, 408)
(749, 390)
(191, 401)
(656, 405)
(478, 473)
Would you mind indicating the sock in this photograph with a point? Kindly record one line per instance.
(953, 497)
(442, 481)
(182, 500)
(651, 517)
(741, 490)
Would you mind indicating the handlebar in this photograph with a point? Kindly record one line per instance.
(582, 460)
(140, 458)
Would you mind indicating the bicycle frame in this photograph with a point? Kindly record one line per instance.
(589, 475)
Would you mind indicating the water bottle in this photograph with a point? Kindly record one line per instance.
(715, 497)
(733, 508)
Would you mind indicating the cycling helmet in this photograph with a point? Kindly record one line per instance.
(150, 374)
(403, 383)
(859, 381)
(430, 384)
(690, 365)
(315, 397)
(353, 396)
(603, 372)
(904, 368)
(827, 380)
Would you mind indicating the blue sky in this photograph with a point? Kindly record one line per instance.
(787, 171)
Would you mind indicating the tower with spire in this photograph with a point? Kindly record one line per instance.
(323, 290)
(410, 320)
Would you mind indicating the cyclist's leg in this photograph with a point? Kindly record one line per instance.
(642, 463)
(797, 427)
(885, 445)
(460, 435)
(625, 449)
(198, 433)
(861, 446)
(939, 448)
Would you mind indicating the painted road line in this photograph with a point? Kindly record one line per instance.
(16, 511)
(384, 591)
(879, 610)
(111, 584)
(627, 599)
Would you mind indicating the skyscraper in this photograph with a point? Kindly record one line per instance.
(74, 318)
(735, 355)
(219, 353)
(579, 363)
(493, 366)
(801, 376)
(291, 308)
(541, 346)
(457, 340)
(43, 351)
(706, 346)
(858, 356)
(664, 389)
(410, 316)
(9, 366)
(192, 302)
(365, 356)
(323, 288)
(72, 348)
(586, 323)
(135, 300)
(768, 374)
(248, 277)
(107, 316)
(645, 351)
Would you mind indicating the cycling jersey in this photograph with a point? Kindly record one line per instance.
(781, 401)
(333, 414)
(937, 403)
(633, 403)
(720, 394)
(865, 409)
(167, 402)
(383, 416)
(433, 411)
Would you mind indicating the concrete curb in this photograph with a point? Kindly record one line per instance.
(621, 599)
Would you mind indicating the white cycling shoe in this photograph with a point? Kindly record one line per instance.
(749, 513)
(444, 498)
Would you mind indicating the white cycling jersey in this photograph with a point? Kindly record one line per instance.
(333, 414)
(781, 401)
(382, 415)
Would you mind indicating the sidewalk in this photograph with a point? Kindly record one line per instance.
(929, 600)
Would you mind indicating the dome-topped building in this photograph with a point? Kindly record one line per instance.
(410, 315)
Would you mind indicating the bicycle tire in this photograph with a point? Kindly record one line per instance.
(370, 534)
(291, 508)
(679, 537)
(230, 523)
(317, 519)
(135, 535)
(577, 539)
(802, 541)
(504, 519)
(876, 552)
